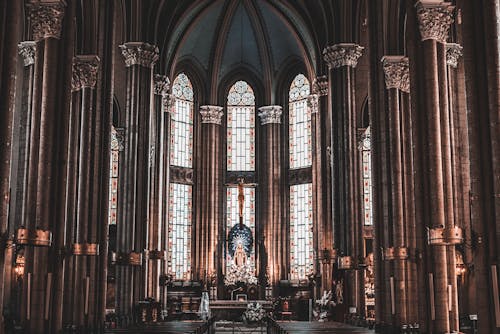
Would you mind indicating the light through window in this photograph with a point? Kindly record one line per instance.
(181, 153)
(299, 123)
(367, 177)
(113, 177)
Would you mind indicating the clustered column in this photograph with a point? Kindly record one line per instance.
(210, 189)
(133, 178)
(275, 253)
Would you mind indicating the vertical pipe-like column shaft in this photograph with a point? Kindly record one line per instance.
(210, 189)
(133, 172)
(341, 60)
(275, 249)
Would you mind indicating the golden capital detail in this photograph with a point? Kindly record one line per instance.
(453, 53)
(85, 69)
(139, 53)
(313, 103)
(46, 18)
(27, 50)
(320, 85)
(161, 84)
(396, 72)
(344, 54)
(270, 115)
(211, 114)
(434, 19)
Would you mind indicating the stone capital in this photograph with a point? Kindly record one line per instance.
(161, 84)
(27, 51)
(313, 103)
(344, 54)
(167, 101)
(453, 52)
(46, 18)
(139, 53)
(211, 114)
(434, 19)
(320, 85)
(270, 114)
(396, 72)
(85, 68)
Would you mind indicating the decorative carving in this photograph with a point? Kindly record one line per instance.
(344, 54)
(434, 19)
(46, 18)
(167, 102)
(85, 69)
(138, 53)
(27, 51)
(270, 115)
(320, 85)
(397, 72)
(313, 103)
(120, 138)
(211, 114)
(453, 52)
(161, 84)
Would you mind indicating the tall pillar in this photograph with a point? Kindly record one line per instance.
(84, 239)
(155, 252)
(275, 236)
(210, 176)
(434, 19)
(133, 178)
(396, 70)
(341, 60)
(46, 21)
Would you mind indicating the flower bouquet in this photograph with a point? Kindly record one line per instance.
(243, 274)
(254, 313)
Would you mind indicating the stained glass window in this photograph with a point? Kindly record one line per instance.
(241, 128)
(365, 147)
(300, 123)
(301, 231)
(113, 177)
(179, 230)
(181, 153)
(233, 215)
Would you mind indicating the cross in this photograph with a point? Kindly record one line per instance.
(241, 196)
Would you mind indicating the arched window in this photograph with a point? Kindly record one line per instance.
(181, 152)
(301, 231)
(113, 176)
(365, 147)
(299, 123)
(241, 128)
(181, 195)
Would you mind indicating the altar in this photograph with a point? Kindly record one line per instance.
(233, 309)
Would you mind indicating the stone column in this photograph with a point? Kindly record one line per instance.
(84, 240)
(133, 176)
(341, 60)
(210, 176)
(155, 252)
(396, 70)
(434, 20)
(275, 254)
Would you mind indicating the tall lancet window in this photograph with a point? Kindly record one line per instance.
(299, 123)
(181, 153)
(301, 231)
(365, 148)
(241, 128)
(180, 195)
(113, 176)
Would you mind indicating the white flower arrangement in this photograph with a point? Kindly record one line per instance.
(254, 312)
(321, 310)
(243, 274)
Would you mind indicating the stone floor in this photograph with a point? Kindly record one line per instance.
(303, 327)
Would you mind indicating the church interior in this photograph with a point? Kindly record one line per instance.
(249, 166)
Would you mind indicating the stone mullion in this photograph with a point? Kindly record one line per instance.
(133, 194)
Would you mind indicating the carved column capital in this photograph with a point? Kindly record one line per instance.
(120, 138)
(343, 54)
(161, 84)
(46, 18)
(270, 114)
(211, 114)
(320, 85)
(85, 68)
(396, 72)
(167, 101)
(139, 53)
(453, 52)
(27, 51)
(313, 103)
(434, 19)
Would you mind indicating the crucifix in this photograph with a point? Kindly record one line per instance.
(241, 195)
